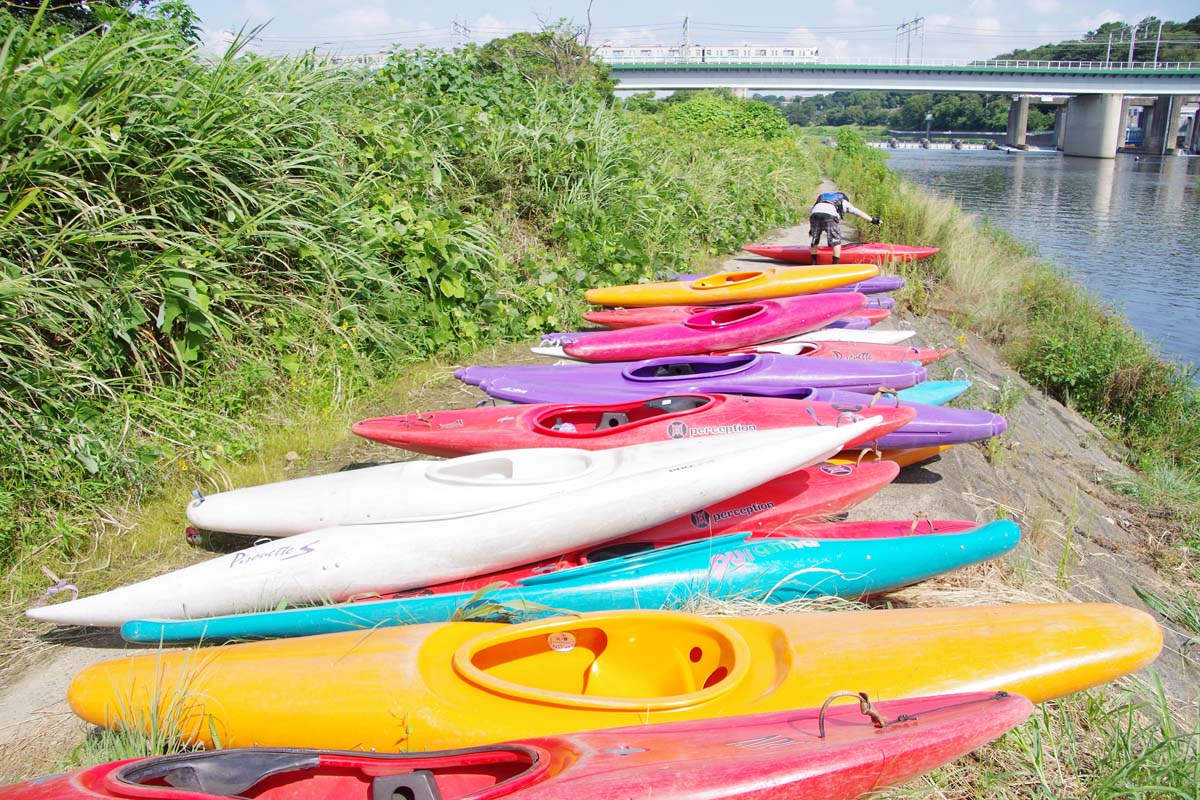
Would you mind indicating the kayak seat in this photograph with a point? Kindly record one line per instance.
(673, 405)
(225, 773)
(612, 419)
(673, 370)
(417, 785)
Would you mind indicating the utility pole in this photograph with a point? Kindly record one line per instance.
(906, 30)
(685, 45)
(1158, 41)
(1108, 52)
(461, 31)
(1132, 41)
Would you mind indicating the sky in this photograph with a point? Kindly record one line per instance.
(947, 29)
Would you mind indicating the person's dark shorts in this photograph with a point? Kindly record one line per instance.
(828, 224)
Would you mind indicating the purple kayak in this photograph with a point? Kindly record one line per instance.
(880, 283)
(764, 374)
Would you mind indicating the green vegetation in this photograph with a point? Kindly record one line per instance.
(1060, 337)
(1110, 42)
(190, 247)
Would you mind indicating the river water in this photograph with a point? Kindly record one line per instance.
(1126, 228)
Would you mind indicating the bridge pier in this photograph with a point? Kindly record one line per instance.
(1060, 126)
(1094, 125)
(1193, 145)
(1018, 121)
(1163, 129)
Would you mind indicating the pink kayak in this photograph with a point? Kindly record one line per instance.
(864, 253)
(720, 328)
(659, 315)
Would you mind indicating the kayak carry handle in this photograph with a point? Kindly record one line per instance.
(416, 785)
(852, 416)
(965, 375)
(864, 706)
(920, 517)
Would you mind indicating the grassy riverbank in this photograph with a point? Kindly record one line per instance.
(192, 252)
(1059, 336)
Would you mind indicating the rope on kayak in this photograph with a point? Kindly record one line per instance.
(883, 391)
(965, 375)
(197, 496)
(848, 415)
(864, 706)
(920, 517)
(816, 421)
(878, 454)
(59, 586)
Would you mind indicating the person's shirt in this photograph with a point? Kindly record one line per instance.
(837, 209)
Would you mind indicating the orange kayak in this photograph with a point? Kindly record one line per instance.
(457, 684)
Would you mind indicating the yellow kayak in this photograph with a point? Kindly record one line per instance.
(464, 683)
(733, 287)
(905, 458)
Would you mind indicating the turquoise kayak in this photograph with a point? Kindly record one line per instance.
(772, 570)
(932, 393)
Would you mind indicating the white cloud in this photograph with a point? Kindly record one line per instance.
(1044, 6)
(1099, 18)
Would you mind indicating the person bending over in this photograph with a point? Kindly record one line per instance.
(826, 217)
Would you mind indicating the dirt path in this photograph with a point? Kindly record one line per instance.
(1081, 541)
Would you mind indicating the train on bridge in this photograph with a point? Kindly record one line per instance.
(704, 54)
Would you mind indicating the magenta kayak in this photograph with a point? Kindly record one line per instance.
(720, 328)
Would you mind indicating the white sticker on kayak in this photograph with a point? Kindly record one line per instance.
(561, 642)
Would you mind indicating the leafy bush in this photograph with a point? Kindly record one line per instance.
(184, 242)
(728, 116)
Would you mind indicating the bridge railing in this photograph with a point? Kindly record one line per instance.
(1146, 66)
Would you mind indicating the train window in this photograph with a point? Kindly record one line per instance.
(789, 52)
(618, 52)
(760, 52)
(644, 52)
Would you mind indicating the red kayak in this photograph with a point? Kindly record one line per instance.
(661, 315)
(837, 753)
(864, 253)
(600, 426)
(719, 328)
(666, 537)
(808, 495)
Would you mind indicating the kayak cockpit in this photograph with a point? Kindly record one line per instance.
(719, 318)
(657, 369)
(586, 421)
(283, 774)
(723, 280)
(549, 465)
(633, 661)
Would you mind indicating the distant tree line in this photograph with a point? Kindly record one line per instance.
(904, 111)
(1180, 42)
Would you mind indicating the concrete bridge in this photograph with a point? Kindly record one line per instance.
(1091, 122)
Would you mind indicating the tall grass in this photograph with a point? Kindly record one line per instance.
(188, 245)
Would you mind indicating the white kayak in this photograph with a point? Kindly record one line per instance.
(600, 495)
(409, 491)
